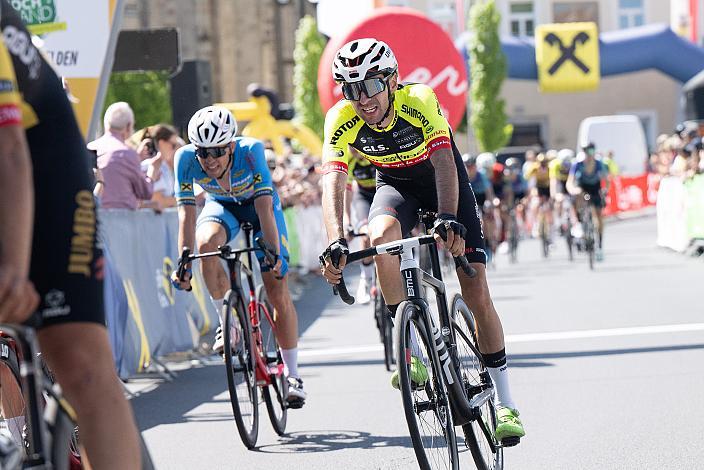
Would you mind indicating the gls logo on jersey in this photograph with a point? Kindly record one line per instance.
(19, 44)
(375, 148)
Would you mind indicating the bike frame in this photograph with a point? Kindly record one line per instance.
(264, 370)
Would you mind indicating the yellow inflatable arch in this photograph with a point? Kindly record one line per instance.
(262, 125)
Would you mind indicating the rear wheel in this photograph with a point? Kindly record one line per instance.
(477, 385)
(426, 408)
(240, 362)
(274, 394)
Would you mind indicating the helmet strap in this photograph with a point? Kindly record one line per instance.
(229, 162)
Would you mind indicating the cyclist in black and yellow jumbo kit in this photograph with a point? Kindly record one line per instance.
(56, 276)
(401, 130)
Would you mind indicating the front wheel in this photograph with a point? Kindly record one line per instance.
(240, 362)
(426, 406)
(274, 394)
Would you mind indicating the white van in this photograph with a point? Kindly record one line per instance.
(621, 134)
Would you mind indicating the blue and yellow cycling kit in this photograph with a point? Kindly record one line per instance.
(249, 179)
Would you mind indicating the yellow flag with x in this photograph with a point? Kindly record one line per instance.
(567, 56)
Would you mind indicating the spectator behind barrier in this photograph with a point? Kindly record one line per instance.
(160, 139)
(125, 184)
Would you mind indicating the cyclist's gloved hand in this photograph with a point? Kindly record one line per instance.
(333, 260)
(185, 282)
(452, 233)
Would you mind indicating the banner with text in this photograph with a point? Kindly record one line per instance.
(75, 37)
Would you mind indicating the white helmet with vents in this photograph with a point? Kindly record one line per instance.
(362, 57)
(486, 160)
(212, 126)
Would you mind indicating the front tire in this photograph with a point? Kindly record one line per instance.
(427, 409)
(240, 362)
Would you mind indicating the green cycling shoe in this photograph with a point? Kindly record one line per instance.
(508, 425)
(419, 374)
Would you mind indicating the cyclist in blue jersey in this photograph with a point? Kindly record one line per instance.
(478, 180)
(586, 176)
(234, 174)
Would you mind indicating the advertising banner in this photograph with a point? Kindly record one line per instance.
(631, 193)
(146, 316)
(694, 207)
(567, 56)
(76, 35)
(425, 54)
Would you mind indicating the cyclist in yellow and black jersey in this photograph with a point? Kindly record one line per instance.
(43, 159)
(361, 186)
(401, 130)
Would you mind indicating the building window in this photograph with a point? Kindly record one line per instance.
(521, 19)
(630, 13)
(572, 12)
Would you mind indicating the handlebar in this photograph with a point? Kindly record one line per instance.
(391, 248)
(225, 252)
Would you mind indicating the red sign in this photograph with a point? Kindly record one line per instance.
(631, 193)
(425, 54)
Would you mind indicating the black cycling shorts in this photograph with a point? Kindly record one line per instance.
(67, 258)
(402, 200)
(594, 191)
(361, 202)
(481, 199)
(544, 192)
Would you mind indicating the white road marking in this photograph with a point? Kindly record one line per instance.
(527, 338)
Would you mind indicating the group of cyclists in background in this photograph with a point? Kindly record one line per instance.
(540, 195)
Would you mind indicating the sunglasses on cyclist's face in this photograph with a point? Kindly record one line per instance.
(210, 152)
(370, 87)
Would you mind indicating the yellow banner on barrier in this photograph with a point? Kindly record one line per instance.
(567, 55)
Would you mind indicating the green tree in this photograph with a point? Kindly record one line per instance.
(306, 55)
(488, 71)
(146, 92)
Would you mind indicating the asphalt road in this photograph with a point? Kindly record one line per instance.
(606, 368)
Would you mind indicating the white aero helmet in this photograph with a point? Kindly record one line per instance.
(565, 154)
(486, 160)
(212, 126)
(362, 57)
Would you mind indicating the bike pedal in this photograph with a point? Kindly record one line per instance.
(510, 441)
(295, 404)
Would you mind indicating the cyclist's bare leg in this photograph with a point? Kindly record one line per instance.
(209, 237)
(490, 333)
(599, 217)
(476, 293)
(80, 357)
(383, 229)
(286, 317)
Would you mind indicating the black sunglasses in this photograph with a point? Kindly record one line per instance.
(370, 87)
(210, 152)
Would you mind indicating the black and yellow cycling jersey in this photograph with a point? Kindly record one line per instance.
(558, 170)
(67, 260)
(23, 73)
(363, 172)
(402, 149)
